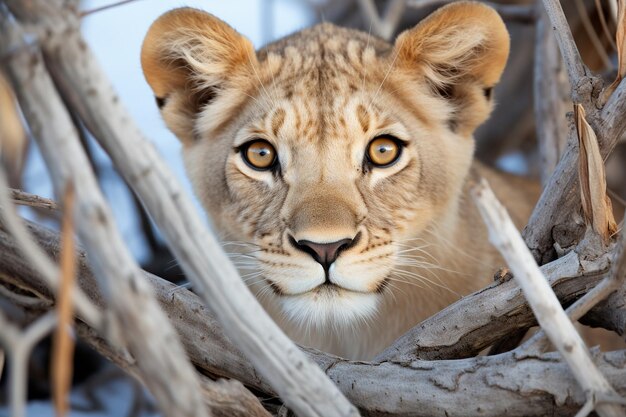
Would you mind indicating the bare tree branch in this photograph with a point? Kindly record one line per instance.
(547, 308)
(384, 26)
(40, 260)
(167, 372)
(18, 345)
(449, 334)
(63, 343)
(549, 90)
(552, 219)
(613, 282)
(225, 398)
(523, 384)
(22, 198)
(106, 7)
(573, 62)
(523, 13)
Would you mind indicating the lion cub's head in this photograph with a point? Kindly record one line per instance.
(327, 150)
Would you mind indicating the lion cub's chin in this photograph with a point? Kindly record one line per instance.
(329, 307)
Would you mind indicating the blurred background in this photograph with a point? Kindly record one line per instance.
(507, 140)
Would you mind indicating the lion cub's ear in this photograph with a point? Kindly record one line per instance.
(188, 57)
(461, 49)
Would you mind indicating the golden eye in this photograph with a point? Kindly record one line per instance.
(259, 154)
(383, 151)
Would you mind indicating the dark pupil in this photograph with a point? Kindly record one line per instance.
(382, 149)
(263, 152)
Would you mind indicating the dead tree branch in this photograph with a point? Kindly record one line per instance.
(22, 198)
(246, 340)
(18, 345)
(448, 334)
(571, 57)
(550, 89)
(612, 283)
(523, 13)
(544, 303)
(224, 397)
(552, 219)
(524, 384)
(163, 361)
(41, 261)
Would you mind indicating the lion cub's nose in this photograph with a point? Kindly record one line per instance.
(324, 253)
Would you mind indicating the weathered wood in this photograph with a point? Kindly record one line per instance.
(613, 282)
(550, 94)
(22, 198)
(19, 344)
(511, 384)
(449, 334)
(553, 219)
(573, 62)
(544, 303)
(380, 388)
(77, 73)
(48, 269)
(224, 397)
(522, 13)
(166, 370)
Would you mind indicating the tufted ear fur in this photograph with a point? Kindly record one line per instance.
(189, 57)
(461, 50)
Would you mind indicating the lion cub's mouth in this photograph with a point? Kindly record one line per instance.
(329, 306)
(328, 288)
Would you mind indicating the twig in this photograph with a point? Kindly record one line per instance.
(163, 362)
(23, 198)
(549, 109)
(48, 270)
(103, 8)
(63, 345)
(18, 345)
(509, 12)
(547, 308)
(587, 408)
(613, 282)
(573, 62)
(605, 26)
(385, 26)
(591, 33)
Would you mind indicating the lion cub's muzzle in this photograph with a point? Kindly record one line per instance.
(325, 253)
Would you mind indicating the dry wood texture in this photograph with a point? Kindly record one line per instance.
(528, 384)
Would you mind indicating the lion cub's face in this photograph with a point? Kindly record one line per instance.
(327, 151)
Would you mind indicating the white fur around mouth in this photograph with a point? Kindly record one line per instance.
(328, 306)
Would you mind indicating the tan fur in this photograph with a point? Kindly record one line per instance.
(319, 96)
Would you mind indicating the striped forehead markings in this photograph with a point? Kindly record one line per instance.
(278, 119)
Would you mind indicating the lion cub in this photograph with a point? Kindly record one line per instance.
(336, 164)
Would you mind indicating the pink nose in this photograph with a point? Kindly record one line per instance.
(324, 253)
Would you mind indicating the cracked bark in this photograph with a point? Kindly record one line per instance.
(523, 384)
